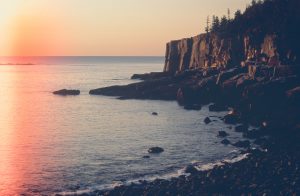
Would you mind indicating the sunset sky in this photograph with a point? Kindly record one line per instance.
(102, 27)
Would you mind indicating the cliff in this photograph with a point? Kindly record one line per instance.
(266, 32)
(211, 50)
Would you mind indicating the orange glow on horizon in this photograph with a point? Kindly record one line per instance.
(107, 28)
(36, 34)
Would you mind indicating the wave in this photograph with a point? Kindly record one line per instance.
(181, 172)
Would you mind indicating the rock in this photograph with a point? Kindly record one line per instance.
(225, 142)
(201, 51)
(155, 150)
(65, 92)
(158, 89)
(154, 113)
(242, 144)
(150, 76)
(222, 134)
(146, 157)
(191, 169)
(231, 118)
(225, 75)
(207, 120)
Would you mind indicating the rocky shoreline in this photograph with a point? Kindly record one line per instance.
(264, 96)
(250, 68)
(275, 172)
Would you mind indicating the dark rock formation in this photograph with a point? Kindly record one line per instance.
(65, 92)
(150, 76)
(191, 169)
(155, 150)
(207, 120)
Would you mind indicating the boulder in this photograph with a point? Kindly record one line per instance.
(187, 96)
(65, 92)
(191, 169)
(231, 118)
(154, 113)
(207, 120)
(155, 150)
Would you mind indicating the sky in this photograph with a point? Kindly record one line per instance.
(102, 27)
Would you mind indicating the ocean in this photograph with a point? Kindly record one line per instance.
(77, 144)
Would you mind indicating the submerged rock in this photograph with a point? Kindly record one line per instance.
(66, 92)
(207, 120)
(155, 150)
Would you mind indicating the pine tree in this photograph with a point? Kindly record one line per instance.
(207, 29)
(228, 14)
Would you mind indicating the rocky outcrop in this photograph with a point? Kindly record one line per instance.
(65, 92)
(205, 50)
(212, 50)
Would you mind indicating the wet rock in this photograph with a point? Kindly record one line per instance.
(242, 144)
(222, 134)
(155, 150)
(65, 92)
(150, 76)
(154, 113)
(191, 169)
(231, 118)
(207, 120)
(187, 96)
(225, 142)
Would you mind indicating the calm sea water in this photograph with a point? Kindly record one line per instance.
(51, 144)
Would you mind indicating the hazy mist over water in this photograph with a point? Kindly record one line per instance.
(53, 144)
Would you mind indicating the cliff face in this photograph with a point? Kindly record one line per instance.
(210, 50)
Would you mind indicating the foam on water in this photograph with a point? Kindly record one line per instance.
(178, 173)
